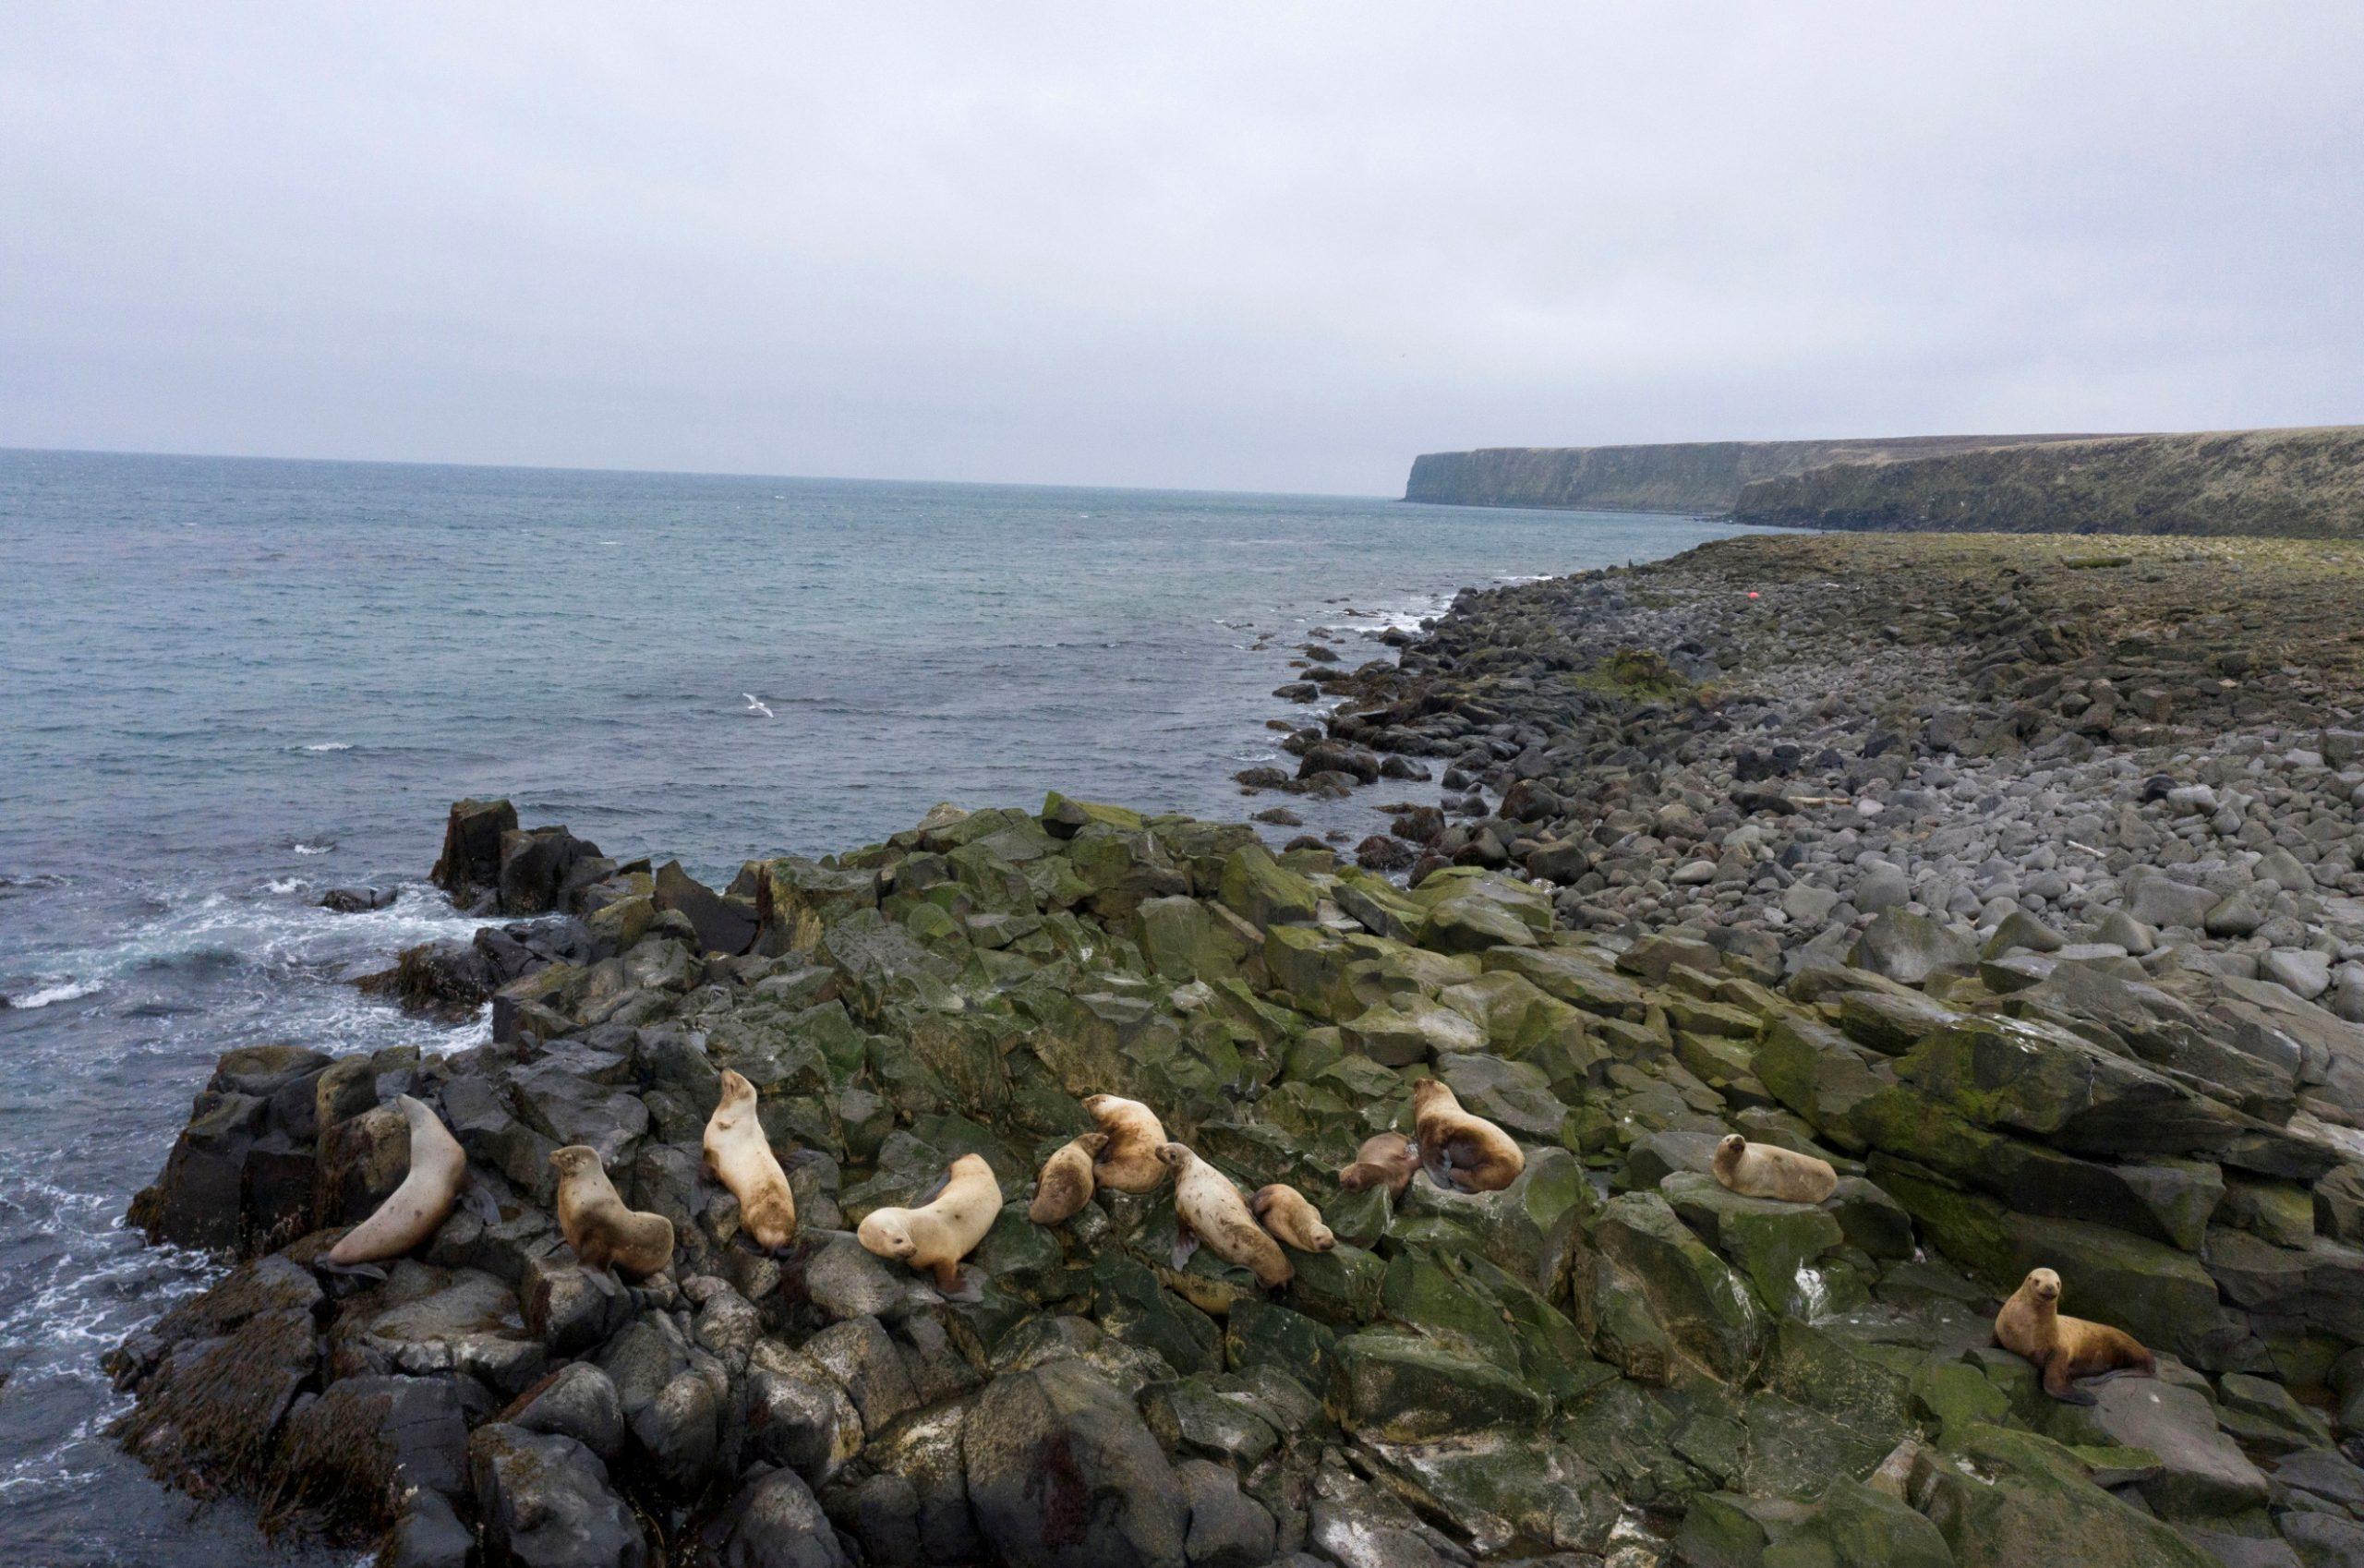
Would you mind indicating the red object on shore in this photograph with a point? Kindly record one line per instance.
(1752, 593)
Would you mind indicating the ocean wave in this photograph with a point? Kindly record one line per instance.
(304, 849)
(55, 991)
(327, 746)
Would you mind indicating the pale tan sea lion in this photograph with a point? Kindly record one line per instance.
(1065, 1184)
(1285, 1212)
(604, 1234)
(1465, 1152)
(739, 1157)
(1208, 1209)
(1129, 1160)
(939, 1234)
(2065, 1348)
(1765, 1170)
(1386, 1161)
(413, 1211)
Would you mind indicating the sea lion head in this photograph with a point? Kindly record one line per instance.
(576, 1159)
(884, 1234)
(1176, 1155)
(2043, 1285)
(967, 1164)
(1432, 1094)
(736, 1089)
(1097, 1103)
(1092, 1142)
(1731, 1145)
(412, 1111)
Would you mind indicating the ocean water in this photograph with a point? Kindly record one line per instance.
(228, 685)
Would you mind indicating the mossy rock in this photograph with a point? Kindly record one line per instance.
(2015, 1497)
(1770, 1242)
(1710, 1323)
(1394, 1387)
(1264, 893)
(1259, 1332)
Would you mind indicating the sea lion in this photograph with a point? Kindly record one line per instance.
(1284, 1211)
(1127, 1161)
(1208, 1208)
(1386, 1161)
(1064, 1186)
(739, 1157)
(2065, 1348)
(413, 1211)
(1465, 1152)
(604, 1234)
(1765, 1170)
(939, 1234)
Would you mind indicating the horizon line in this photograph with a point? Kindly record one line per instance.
(7, 449)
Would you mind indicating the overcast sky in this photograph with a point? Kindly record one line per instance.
(1264, 247)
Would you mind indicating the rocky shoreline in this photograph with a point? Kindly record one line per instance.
(2019, 878)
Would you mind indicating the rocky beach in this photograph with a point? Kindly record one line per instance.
(2017, 878)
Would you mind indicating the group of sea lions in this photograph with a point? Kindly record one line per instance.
(1458, 1150)
(2030, 1324)
(1130, 1152)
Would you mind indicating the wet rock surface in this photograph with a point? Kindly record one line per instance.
(1970, 1000)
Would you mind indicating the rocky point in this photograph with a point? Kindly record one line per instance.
(2014, 881)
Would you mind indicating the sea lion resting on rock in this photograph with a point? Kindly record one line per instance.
(1064, 1186)
(413, 1211)
(1285, 1212)
(939, 1234)
(739, 1157)
(2065, 1348)
(1386, 1161)
(1465, 1152)
(1208, 1208)
(1764, 1170)
(604, 1234)
(1129, 1160)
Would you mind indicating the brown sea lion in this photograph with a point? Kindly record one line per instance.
(739, 1157)
(413, 1211)
(1765, 1170)
(2064, 1349)
(1465, 1152)
(1064, 1186)
(604, 1234)
(1127, 1161)
(938, 1235)
(1284, 1211)
(1386, 1161)
(1208, 1208)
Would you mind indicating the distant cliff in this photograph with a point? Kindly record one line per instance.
(2297, 483)
(1678, 476)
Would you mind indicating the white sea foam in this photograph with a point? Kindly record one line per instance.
(284, 885)
(329, 746)
(56, 991)
(314, 849)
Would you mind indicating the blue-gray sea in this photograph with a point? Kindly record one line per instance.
(229, 684)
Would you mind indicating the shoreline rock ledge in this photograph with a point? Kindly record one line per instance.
(1615, 1359)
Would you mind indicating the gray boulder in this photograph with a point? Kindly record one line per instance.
(1062, 1473)
(546, 1502)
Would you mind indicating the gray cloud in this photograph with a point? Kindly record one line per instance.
(1234, 247)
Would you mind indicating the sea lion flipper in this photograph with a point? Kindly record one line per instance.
(352, 1270)
(1186, 1244)
(2057, 1384)
(479, 1202)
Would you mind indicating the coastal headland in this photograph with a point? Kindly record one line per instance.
(2019, 878)
(2297, 483)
